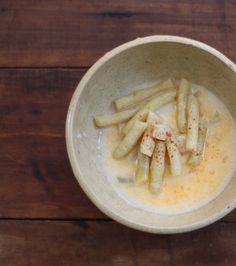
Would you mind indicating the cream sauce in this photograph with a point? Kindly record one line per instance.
(197, 185)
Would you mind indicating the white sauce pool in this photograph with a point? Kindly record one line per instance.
(197, 185)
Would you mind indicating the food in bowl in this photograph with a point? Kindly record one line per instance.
(173, 147)
(134, 65)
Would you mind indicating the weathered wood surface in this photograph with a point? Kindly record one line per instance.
(37, 243)
(36, 178)
(76, 33)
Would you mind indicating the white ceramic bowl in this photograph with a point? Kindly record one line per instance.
(125, 67)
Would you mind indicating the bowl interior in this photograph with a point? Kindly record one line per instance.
(118, 76)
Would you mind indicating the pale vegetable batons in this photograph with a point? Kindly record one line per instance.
(153, 137)
(158, 101)
(130, 140)
(142, 94)
(160, 131)
(148, 143)
(196, 157)
(142, 169)
(174, 156)
(113, 119)
(192, 124)
(157, 168)
(182, 105)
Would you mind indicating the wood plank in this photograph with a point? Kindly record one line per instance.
(35, 243)
(76, 33)
(230, 7)
(36, 178)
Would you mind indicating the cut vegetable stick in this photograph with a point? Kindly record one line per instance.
(119, 128)
(157, 167)
(181, 142)
(142, 94)
(174, 156)
(182, 105)
(160, 99)
(142, 170)
(113, 119)
(192, 123)
(153, 118)
(160, 131)
(129, 141)
(196, 157)
(148, 143)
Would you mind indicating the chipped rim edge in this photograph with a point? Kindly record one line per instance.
(69, 135)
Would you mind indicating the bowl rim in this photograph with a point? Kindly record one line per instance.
(69, 136)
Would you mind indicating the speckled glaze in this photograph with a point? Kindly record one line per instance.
(125, 67)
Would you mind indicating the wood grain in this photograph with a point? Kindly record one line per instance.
(35, 243)
(36, 178)
(58, 33)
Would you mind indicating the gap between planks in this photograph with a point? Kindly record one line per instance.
(99, 220)
(82, 68)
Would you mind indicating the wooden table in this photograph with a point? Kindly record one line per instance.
(45, 49)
